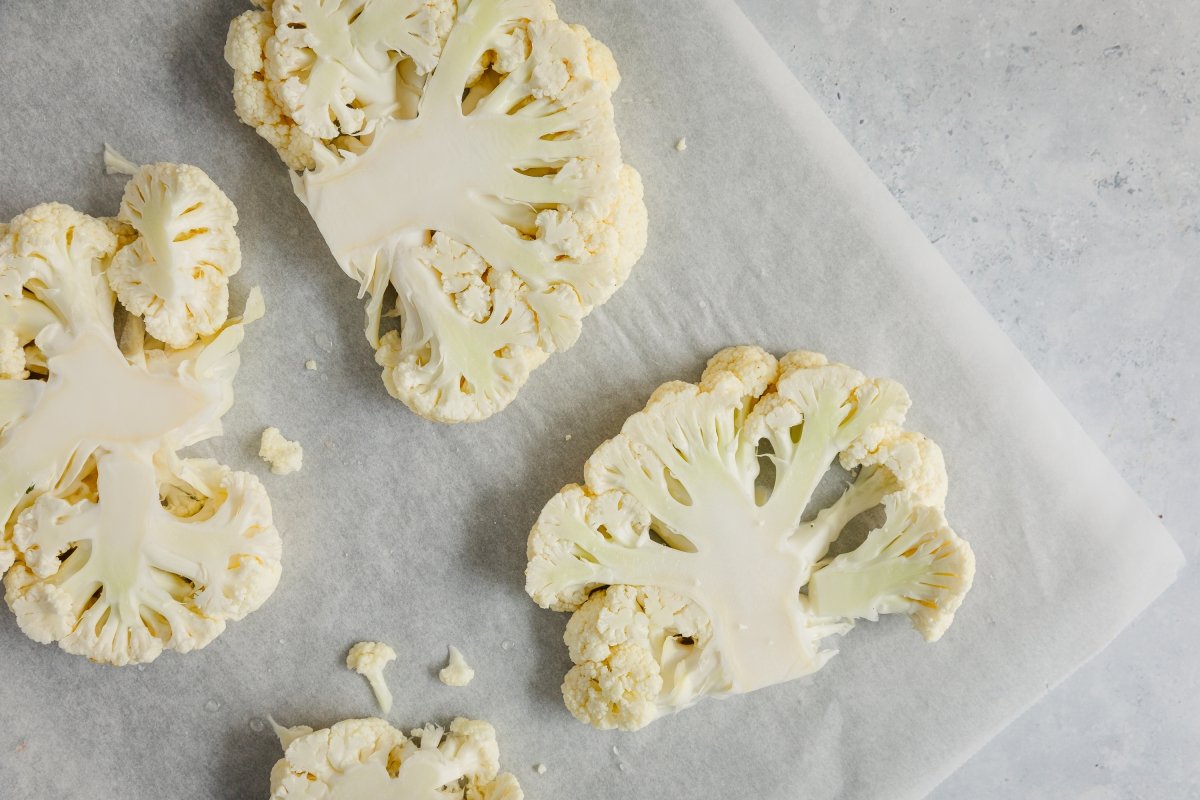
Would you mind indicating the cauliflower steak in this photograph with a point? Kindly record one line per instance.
(113, 545)
(461, 162)
(359, 759)
(693, 558)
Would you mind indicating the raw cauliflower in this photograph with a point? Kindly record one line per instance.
(114, 546)
(175, 274)
(692, 557)
(369, 660)
(457, 671)
(367, 758)
(462, 163)
(284, 455)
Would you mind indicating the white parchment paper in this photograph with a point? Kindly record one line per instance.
(767, 229)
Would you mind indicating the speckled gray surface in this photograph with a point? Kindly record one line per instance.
(1052, 152)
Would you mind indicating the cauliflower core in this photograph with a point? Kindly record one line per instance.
(694, 559)
(368, 758)
(462, 163)
(114, 546)
(284, 455)
(369, 660)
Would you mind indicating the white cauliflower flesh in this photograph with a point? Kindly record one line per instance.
(457, 671)
(463, 166)
(175, 275)
(284, 455)
(114, 546)
(369, 660)
(368, 758)
(694, 558)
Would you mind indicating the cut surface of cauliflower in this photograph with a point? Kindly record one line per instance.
(175, 274)
(696, 560)
(369, 660)
(361, 759)
(284, 455)
(113, 545)
(462, 163)
(457, 671)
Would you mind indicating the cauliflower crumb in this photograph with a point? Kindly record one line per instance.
(310, 365)
(368, 659)
(12, 355)
(540, 769)
(681, 145)
(284, 456)
(457, 672)
(567, 438)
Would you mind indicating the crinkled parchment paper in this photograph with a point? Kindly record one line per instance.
(768, 229)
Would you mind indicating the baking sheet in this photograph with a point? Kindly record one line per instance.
(767, 229)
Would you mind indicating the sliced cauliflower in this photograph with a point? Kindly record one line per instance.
(368, 758)
(369, 660)
(175, 274)
(284, 455)
(694, 558)
(462, 163)
(114, 546)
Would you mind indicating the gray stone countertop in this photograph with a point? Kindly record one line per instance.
(1052, 152)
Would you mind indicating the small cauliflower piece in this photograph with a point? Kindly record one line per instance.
(12, 356)
(284, 455)
(693, 561)
(175, 274)
(112, 545)
(369, 659)
(361, 759)
(310, 365)
(461, 157)
(457, 671)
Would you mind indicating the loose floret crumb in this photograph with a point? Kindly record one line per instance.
(681, 145)
(284, 455)
(457, 672)
(310, 365)
(540, 769)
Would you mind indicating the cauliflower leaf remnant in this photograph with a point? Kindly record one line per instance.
(457, 672)
(693, 559)
(369, 659)
(462, 163)
(284, 455)
(114, 546)
(368, 758)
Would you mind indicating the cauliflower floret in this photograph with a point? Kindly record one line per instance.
(912, 565)
(457, 671)
(113, 546)
(369, 660)
(12, 356)
(685, 561)
(368, 758)
(122, 578)
(254, 100)
(176, 273)
(284, 455)
(522, 218)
